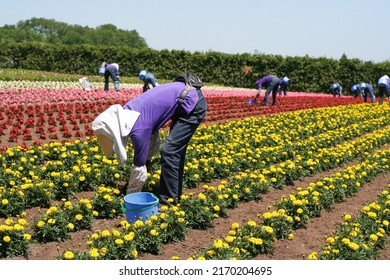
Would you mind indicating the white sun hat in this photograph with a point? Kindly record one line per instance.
(112, 129)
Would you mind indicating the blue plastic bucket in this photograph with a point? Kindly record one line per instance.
(252, 102)
(140, 205)
(102, 70)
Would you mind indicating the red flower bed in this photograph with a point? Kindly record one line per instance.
(30, 115)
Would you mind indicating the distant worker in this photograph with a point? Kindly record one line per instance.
(383, 88)
(149, 80)
(336, 89)
(357, 91)
(367, 89)
(271, 82)
(283, 86)
(110, 70)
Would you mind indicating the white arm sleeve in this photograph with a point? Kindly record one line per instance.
(137, 179)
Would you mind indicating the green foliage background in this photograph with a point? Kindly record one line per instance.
(81, 50)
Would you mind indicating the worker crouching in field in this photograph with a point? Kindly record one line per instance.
(110, 70)
(271, 82)
(142, 117)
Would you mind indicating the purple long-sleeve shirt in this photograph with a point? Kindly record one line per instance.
(156, 106)
(264, 82)
(111, 66)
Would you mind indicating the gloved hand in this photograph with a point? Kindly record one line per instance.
(137, 179)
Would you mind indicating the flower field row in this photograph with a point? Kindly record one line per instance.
(42, 114)
(217, 151)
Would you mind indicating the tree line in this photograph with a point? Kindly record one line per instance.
(53, 32)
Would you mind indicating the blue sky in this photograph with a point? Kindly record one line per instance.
(317, 28)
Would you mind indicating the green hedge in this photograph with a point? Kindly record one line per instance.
(306, 73)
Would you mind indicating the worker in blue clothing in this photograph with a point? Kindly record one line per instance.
(139, 119)
(271, 82)
(383, 88)
(356, 90)
(283, 86)
(149, 80)
(336, 89)
(367, 89)
(110, 70)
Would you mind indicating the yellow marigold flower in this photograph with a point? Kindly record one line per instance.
(175, 258)
(372, 215)
(27, 236)
(229, 239)
(299, 210)
(154, 217)
(106, 233)
(40, 224)
(330, 240)
(217, 208)
(347, 217)
(79, 217)
(201, 196)
(353, 246)
(164, 226)
(251, 223)
(129, 237)
(115, 233)
(235, 226)
(70, 226)
(385, 223)
(297, 202)
(95, 213)
(312, 256)
(353, 233)
(103, 251)
(291, 236)
(68, 255)
(374, 237)
(134, 253)
(211, 253)
(68, 205)
(153, 232)
(94, 253)
(51, 210)
(255, 241)
(163, 216)
(218, 243)
(138, 224)
(346, 241)
(232, 232)
(95, 236)
(268, 229)
(117, 176)
(118, 241)
(267, 215)
(51, 221)
(18, 227)
(4, 201)
(7, 239)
